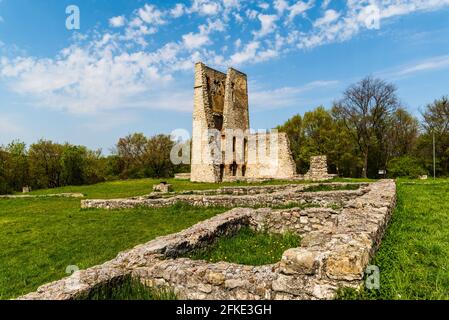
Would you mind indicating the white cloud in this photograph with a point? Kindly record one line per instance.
(200, 39)
(268, 24)
(251, 14)
(238, 43)
(195, 40)
(151, 15)
(329, 16)
(85, 80)
(426, 65)
(325, 4)
(299, 8)
(178, 10)
(264, 5)
(117, 22)
(402, 7)
(205, 7)
(125, 68)
(281, 6)
(248, 53)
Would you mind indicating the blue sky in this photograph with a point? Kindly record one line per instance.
(129, 66)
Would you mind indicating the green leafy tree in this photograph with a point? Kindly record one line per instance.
(5, 187)
(405, 166)
(157, 157)
(45, 164)
(435, 121)
(132, 152)
(73, 164)
(18, 175)
(365, 109)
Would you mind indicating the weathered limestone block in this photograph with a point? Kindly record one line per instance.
(300, 261)
(347, 263)
(163, 187)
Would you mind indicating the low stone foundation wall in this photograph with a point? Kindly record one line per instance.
(337, 246)
(264, 196)
(55, 195)
(294, 220)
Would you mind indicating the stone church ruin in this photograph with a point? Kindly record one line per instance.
(341, 225)
(223, 146)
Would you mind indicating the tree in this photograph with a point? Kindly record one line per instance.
(131, 151)
(157, 157)
(405, 166)
(18, 175)
(5, 187)
(436, 121)
(365, 110)
(318, 135)
(45, 164)
(403, 133)
(73, 163)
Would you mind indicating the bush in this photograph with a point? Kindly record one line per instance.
(405, 166)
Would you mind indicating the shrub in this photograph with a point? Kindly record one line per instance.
(405, 166)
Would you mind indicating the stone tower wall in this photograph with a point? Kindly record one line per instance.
(221, 104)
(207, 111)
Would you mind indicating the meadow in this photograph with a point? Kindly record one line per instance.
(414, 256)
(41, 237)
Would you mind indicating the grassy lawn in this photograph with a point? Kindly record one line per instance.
(248, 247)
(130, 188)
(414, 255)
(41, 237)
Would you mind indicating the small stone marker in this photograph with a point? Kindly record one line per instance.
(424, 177)
(26, 189)
(163, 187)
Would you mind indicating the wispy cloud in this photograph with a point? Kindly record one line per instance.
(408, 70)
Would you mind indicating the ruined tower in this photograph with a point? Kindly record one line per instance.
(223, 148)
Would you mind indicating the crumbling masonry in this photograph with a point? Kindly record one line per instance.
(223, 148)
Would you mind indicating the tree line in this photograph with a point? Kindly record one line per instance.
(46, 164)
(368, 130)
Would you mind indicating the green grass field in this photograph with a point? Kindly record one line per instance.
(248, 247)
(41, 237)
(414, 255)
(138, 187)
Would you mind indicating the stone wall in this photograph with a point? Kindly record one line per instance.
(279, 195)
(318, 169)
(221, 140)
(299, 221)
(334, 252)
(54, 195)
